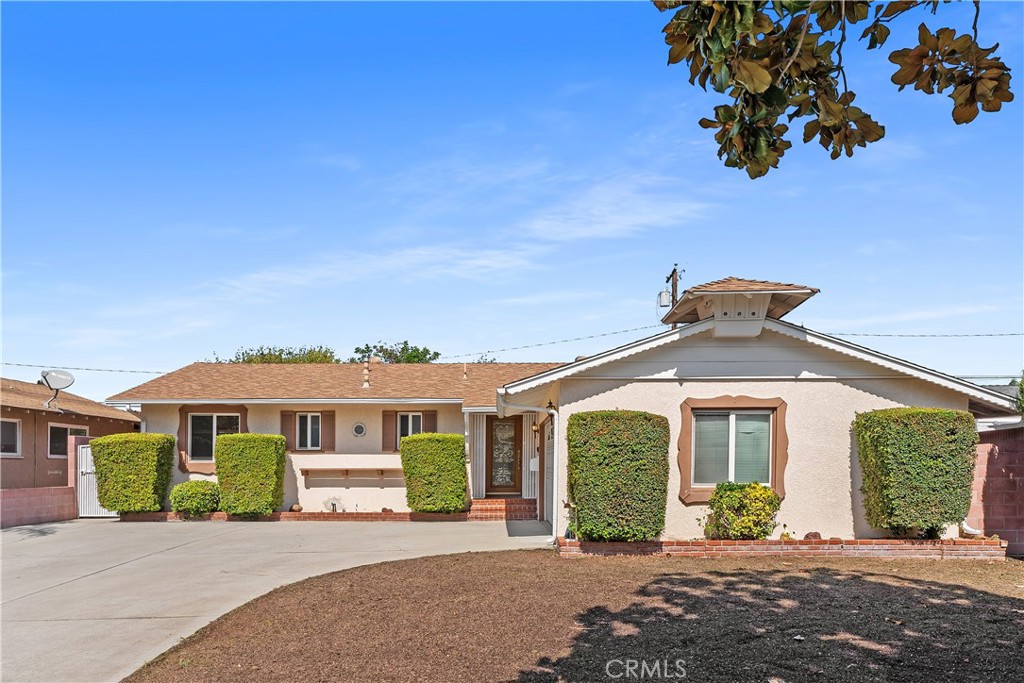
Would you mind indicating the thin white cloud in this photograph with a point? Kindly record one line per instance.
(854, 324)
(345, 162)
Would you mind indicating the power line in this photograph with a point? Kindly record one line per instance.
(865, 334)
(64, 367)
(548, 343)
(583, 338)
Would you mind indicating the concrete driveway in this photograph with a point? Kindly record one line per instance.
(92, 600)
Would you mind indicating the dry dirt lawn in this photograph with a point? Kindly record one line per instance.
(530, 616)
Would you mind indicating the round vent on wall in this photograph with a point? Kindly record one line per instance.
(359, 429)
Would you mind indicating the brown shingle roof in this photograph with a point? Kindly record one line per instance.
(242, 381)
(17, 394)
(737, 284)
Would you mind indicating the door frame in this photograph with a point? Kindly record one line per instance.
(517, 488)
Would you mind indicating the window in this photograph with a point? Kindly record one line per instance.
(10, 438)
(308, 431)
(733, 446)
(203, 431)
(409, 423)
(58, 447)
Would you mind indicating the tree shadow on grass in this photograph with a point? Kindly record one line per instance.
(818, 624)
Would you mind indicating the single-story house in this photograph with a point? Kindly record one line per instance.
(34, 437)
(748, 397)
(342, 424)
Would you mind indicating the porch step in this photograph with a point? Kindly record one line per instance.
(501, 509)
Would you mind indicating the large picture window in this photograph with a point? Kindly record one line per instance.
(10, 438)
(58, 439)
(731, 438)
(732, 446)
(203, 431)
(308, 431)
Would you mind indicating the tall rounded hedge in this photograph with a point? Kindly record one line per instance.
(618, 474)
(918, 467)
(434, 466)
(250, 471)
(133, 470)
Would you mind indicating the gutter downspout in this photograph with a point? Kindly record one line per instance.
(553, 412)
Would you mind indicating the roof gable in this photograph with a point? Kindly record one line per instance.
(811, 359)
(718, 298)
(17, 394)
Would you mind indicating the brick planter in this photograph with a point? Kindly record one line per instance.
(835, 547)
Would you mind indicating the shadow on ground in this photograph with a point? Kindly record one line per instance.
(36, 531)
(821, 624)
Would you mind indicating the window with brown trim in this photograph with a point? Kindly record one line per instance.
(731, 438)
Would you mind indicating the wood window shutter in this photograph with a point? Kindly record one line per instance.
(327, 431)
(389, 431)
(430, 421)
(288, 429)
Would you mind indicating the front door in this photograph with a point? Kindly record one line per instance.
(504, 455)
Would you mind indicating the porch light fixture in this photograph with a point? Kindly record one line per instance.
(535, 427)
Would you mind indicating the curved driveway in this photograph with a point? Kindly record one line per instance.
(92, 600)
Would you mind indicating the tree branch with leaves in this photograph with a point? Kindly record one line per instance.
(774, 59)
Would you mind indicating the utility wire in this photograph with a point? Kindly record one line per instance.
(583, 338)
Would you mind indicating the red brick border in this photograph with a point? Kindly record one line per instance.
(481, 510)
(834, 547)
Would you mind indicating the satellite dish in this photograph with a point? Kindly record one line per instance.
(57, 379)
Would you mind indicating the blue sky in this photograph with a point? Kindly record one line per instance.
(181, 180)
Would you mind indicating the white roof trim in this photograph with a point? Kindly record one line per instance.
(993, 398)
(605, 357)
(986, 396)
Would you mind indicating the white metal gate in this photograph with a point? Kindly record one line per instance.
(88, 499)
(549, 472)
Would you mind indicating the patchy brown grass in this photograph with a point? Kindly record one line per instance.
(529, 616)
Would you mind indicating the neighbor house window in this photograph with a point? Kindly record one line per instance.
(408, 424)
(10, 438)
(58, 447)
(308, 431)
(732, 446)
(203, 431)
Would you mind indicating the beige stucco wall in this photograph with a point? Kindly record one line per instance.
(822, 476)
(369, 493)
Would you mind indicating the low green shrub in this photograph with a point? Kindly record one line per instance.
(434, 466)
(742, 511)
(618, 474)
(194, 498)
(250, 471)
(918, 467)
(133, 470)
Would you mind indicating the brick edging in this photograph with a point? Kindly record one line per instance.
(968, 548)
(300, 517)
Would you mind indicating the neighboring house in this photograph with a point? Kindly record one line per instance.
(342, 424)
(749, 397)
(34, 438)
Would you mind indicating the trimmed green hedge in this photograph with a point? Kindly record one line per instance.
(196, 497)
(250, 471)
(918, 467)
(133, 470)
(742, 512)
(618, 474)
(434, 466)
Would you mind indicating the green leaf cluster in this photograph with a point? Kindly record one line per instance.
(434, 466)
(400, 352)
(196, 497)
(133, 471)
(742, 511)
(618, 474)
(283, 354)
(769, 58)
(917, 466)
(250, 471)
